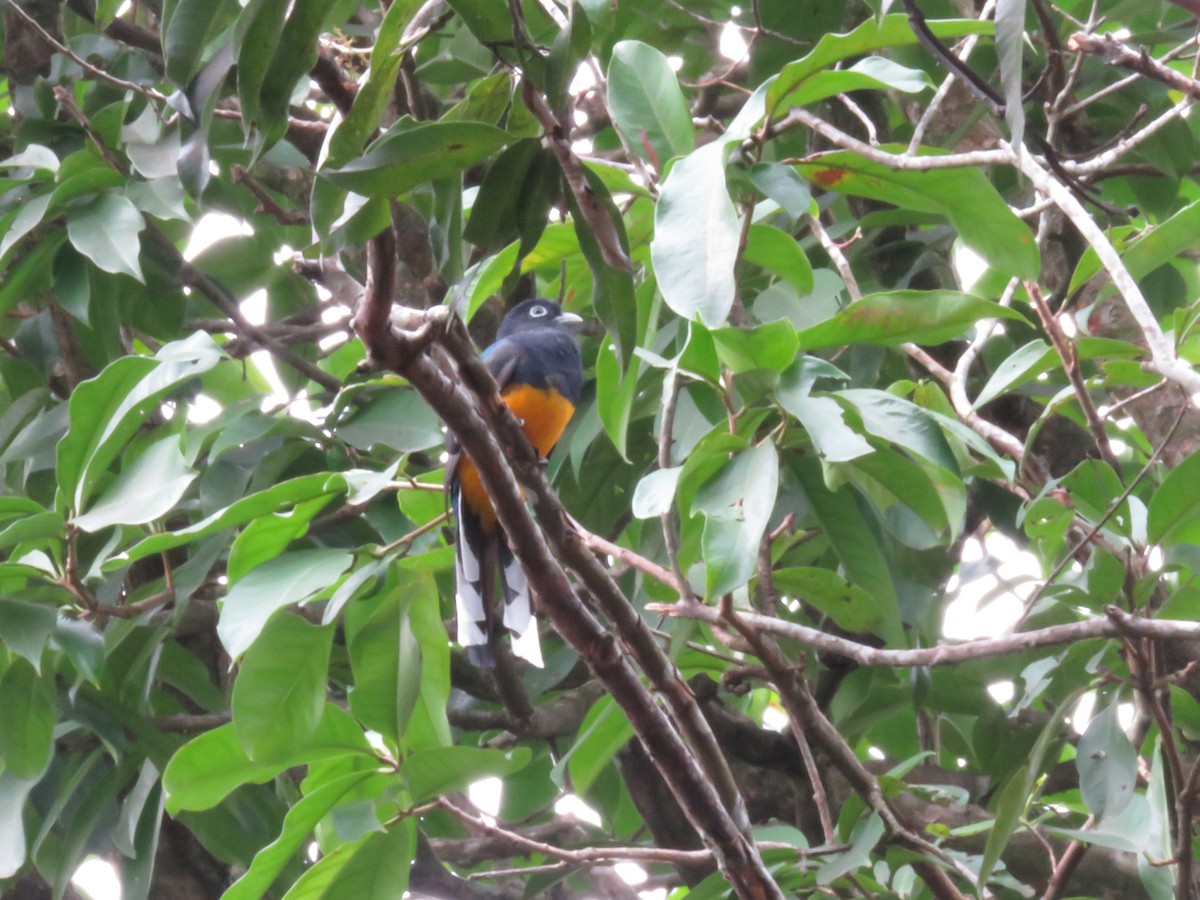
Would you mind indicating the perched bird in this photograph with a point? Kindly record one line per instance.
(537, 365)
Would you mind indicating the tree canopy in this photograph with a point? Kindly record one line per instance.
(892, 321)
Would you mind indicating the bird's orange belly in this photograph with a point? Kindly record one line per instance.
(544, 414)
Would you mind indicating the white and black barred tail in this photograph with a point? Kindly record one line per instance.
(478, 559)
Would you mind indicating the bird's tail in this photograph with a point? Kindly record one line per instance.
(478, 559)
(518, 608)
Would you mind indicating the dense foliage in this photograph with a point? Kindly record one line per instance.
(886, 299)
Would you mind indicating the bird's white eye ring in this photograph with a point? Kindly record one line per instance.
(536, 312)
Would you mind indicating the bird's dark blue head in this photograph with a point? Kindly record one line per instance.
(535, 313)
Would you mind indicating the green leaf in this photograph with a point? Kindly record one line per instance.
(852, 539)
(186, 33)
(26, 627)
(515, 197)
(897, 317)
(821, 417)
(375, 87)
(146, 490)
(646, 103)
(295, 56)
(873, 34)
(298, 824)
(419, 154)
(604, 731)
(615, 394)
(696, 237)
(1150, 250)
(655, 493)
(851, 607)
(256, 37)
(27, 717)
(963, 196)
(778, 252)
(107, 410)
(13, 794)
(785, 186)
(280, 496)
(737, 505)
(398, 419)
(291, 578)
(1023, 364)
(872, 73)
(1107, 764)
(443, 770)
(770, 346)
(901, 422)
(1174, 516)
(386, 661)
(1010, 44)
(212, 765)
(279, 694)
(613, 294)
(106, 232)
(863, 839)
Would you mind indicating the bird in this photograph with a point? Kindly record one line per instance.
(538, 367)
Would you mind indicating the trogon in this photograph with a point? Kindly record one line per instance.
(537, 365)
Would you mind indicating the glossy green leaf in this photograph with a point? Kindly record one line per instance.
(901, 422)
(963, 196)
(897, 317)
(873, 34)
(778, 252)
(1149, 251)
(397, 164)
(291, 578)
(211, 765)
(386, 660)
(655, 493)
(299, 823)
(256, 37)
(737, 505)
(144, 491)
(604, 731)
(646, 104)
(851, 607)
(107, 231)
(696, 237)
(770, 346)
(1010, 41)
(262, 503)
(851, 537)
(1173, 510)
(107, 410)
(13, 793)
(295, 56)
(27, 717)
(784, 185)
(1107, 764)
(871, 73)
(186, 33)
(25, 628)
(442, 770)
(279, 694)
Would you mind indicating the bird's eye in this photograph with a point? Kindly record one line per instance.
(537, 312)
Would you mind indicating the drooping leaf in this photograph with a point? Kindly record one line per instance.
(896, 317)
(646, 104)
(963, 196)
(398, 163)
(107, 231)
(291, 578)
(279, 694)
(696, 236)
